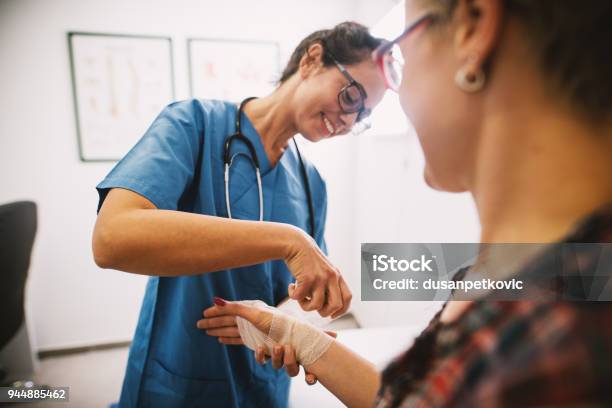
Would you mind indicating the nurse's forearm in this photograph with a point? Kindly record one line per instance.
(351, 378)
(170, 243)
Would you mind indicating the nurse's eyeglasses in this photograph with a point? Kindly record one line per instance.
(351, 98)
(388, 55)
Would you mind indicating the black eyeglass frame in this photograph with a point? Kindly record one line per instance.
(362, 111)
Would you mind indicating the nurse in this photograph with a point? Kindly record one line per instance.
(163, 212)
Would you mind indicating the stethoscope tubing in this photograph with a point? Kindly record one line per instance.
(228, 159)
(227, 193)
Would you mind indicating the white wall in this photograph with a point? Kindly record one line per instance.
(70, 301)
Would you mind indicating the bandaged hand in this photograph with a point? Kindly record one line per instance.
(262, 325)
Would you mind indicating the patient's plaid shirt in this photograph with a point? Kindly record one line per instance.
(512, 354)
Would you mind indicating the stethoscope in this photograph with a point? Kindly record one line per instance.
(228, 159)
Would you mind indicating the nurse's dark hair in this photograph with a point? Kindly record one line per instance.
(348, 42)
(571, 42)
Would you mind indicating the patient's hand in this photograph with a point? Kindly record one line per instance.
(222, 327)
(220, 321)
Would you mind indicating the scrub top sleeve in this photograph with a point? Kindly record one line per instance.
(162, 164)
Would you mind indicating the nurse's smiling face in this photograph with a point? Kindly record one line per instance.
(318, 114)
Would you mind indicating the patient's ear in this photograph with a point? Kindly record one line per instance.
(476, 26)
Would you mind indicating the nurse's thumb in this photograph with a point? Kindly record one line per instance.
(298, 291)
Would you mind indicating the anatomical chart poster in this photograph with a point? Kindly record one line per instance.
(232, 70)
(120, 84)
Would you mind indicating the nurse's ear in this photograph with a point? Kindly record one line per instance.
(312, 61)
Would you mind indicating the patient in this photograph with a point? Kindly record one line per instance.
(511, 101)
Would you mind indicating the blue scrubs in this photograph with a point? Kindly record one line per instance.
(178, 165)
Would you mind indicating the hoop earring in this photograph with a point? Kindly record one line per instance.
(470, 80)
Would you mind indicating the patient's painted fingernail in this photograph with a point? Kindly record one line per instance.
(218, 301)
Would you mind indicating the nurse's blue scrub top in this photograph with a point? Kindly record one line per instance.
(178, 165)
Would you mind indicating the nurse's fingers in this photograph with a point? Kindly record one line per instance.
(224, 332)
(231, 341)
(302, 302)
(291, 366)
(333, 301)
(318, 299)
(347, 296)
(217, 322)
(302, 288)
(277, 356)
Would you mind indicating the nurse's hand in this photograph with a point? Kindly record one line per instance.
(319, 285)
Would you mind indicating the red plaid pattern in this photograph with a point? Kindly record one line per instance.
(512, 354)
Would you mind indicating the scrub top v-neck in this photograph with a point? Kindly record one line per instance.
(178, 165)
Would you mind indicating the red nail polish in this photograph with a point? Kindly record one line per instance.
(218, 301)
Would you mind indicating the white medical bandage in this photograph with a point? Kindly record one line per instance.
(308, 342)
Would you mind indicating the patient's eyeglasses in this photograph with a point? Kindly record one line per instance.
(352, 96)
(388, 55)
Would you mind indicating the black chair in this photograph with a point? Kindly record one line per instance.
(17, 231)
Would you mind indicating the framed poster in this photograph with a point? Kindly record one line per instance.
(120, 84)
(232, 70)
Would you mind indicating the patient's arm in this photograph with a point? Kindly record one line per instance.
(226, 331)
(351, 378)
